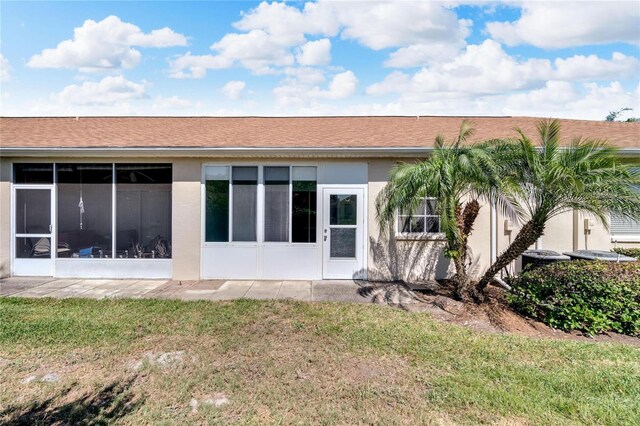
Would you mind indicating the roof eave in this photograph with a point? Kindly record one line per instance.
(384, 152)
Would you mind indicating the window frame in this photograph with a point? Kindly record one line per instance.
(418, 235)
(260, 196)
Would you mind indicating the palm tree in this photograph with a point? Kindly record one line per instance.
(456, 175)
(549, 180)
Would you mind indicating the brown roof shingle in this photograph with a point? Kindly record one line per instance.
(285, 132)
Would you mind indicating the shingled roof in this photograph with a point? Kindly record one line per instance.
(281, 132)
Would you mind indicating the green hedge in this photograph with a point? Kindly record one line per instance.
(593, 297)
(633, 252)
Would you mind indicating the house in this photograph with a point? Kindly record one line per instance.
(246, 198)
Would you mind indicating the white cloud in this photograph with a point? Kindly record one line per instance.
(315, 53)
(109, 90)
(341, 86)
(5, 69)
(170, 103)
(293, 94)
(487, 69)
(108, 44)
(380, 25)
(197, 65)
(256, 50)
(565, 24)
(233, 89)
(594, 67)
(423, 31)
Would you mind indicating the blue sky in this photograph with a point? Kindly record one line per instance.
(563, 59)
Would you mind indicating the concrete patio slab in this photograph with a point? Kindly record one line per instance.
(232, 290)
(296, 290)
(315, 291)
(9, 286)
(262, 290)
(337, 291)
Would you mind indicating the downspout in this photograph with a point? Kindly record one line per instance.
(494, 232)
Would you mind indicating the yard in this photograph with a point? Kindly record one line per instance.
(246, 361)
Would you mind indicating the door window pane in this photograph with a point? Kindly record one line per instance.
(84, 209)
(33, 173)
(143, 211)
(343, 209)
(276, 204)
(343, 242)
(33, 211)
(304, 205)
(33, 248)
(245, 190)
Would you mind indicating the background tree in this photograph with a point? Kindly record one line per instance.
(549, 180)
(456, 175)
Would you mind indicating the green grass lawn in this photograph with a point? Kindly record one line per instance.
(297, 363)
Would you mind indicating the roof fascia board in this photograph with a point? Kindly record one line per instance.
(218, 152)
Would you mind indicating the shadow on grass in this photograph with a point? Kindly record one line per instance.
(100, 407)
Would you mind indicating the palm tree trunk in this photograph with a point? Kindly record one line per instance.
(464, 222)
(527, 236)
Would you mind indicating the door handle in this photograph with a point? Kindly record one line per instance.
(325, 238)
(50, 228)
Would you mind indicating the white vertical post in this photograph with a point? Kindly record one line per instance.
(494, 231)
(113, 211)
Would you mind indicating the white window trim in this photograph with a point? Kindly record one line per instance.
(418, 236)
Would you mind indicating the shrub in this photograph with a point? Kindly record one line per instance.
(593, 297)
(633, 252)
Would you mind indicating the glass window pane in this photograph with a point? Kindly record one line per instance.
(276, 204)
(404, 224)
(432, 224)
(33, 173)
(245, 190)
(304, 201)
(143, 173)
(217, 211)
(343, 242)
(216, 173)
(245, 174)
(417, 224)
(430, 205)
(84, 208)
(143, 211)
(304, 173)
(33, 211)
(342, 209)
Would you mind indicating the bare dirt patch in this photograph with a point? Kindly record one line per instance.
(495, 316)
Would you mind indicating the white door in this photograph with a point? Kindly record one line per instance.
(343, 233)
(33, 231)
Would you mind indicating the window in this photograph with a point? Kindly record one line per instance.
(624, 228)
(304, 199)
(245, 203)
(33, 173)
(143, 210)
(85, 209)
(97, 210)
(289, 203)
(217, 204)
(424, 220)
(276, 204)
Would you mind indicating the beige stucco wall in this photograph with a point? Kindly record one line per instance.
(186, 195)
(5, 218)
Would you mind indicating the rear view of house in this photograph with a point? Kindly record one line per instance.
(247, 198)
